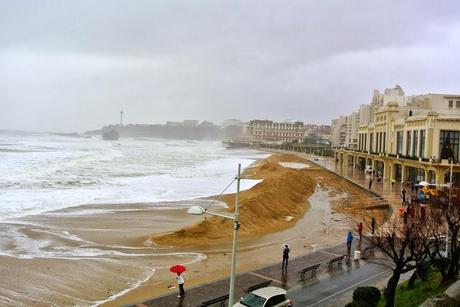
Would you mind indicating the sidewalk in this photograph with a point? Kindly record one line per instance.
(196, 295)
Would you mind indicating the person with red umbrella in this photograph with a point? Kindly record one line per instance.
(179, 269)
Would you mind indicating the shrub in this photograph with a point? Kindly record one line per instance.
(369, 295)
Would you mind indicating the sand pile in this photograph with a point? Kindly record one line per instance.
(272, 205)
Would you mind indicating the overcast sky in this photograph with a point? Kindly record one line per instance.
(72, 65)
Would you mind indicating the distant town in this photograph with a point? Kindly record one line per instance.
(234, 130)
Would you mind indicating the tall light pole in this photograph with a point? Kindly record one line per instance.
(197, 210)
(450, 200)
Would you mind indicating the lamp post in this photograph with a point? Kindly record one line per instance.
(197, 210)
(450, 200)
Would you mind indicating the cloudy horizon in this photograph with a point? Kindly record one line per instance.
(73, 65)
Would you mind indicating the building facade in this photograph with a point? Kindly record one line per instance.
(410, 139)
(339, 130)
(267, 130)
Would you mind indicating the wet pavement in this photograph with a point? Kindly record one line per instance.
(389, 192)
(332, 290)
(326, 288)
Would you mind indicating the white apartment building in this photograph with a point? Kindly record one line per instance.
(409, 139)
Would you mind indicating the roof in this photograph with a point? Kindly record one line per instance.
(269, 291)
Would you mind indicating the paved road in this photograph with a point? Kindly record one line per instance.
(330, 290)
(324, 291)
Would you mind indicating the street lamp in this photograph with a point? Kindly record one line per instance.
(198, 210)
(450, 200)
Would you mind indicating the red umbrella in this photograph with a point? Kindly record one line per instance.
(177, 268)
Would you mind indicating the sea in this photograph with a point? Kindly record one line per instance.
(41, 172)
(76, 213)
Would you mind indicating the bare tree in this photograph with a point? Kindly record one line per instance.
(438, 220)
(403, 243)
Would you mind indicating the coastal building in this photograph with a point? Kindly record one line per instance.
(267, 130)
(191, 123)
(232, 122)
(173, 124)
(351, 138)
(318, 132)
(364, 114)
(409, 138)
(339, 129)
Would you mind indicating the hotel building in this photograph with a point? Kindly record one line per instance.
(267, 130)
(408, 138)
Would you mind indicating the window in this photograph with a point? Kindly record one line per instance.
(408, 142)
(399, 142)
(384, 140)
(415, 144)
(451, 104)
(449, 142)
(365, 141)
(371, 142)
(276, 300)
(422, 143)
(457, 104)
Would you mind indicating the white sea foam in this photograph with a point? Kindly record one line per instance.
(42, 172)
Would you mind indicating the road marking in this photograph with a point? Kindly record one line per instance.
(267, 278)
(348, 288)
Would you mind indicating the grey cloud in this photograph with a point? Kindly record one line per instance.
(71, 65)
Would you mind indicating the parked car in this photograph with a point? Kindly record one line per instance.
(265, 297)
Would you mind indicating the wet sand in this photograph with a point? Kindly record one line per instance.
(111, 253)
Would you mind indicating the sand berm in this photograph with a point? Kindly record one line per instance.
(272, 205)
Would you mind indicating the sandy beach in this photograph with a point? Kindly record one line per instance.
(124, 251)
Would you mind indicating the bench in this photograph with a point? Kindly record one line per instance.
(367, 252)
(258, 286)
(333, 261)
(220, 299)
(312, 269)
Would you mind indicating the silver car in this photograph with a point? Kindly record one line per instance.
(265, 297)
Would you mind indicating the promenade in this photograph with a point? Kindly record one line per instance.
(387, 191)
(322, 288)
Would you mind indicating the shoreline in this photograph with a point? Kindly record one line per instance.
(111, 248)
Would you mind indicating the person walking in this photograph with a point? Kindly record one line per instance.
(403, 192)
(349, 242)
(286, 251)
(370, 183)
(421, 197)
(360, 230)
(422, 211)
(373, 223)
(180, 282)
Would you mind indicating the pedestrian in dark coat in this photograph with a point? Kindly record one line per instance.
(286, 251)
(360, 230)
(373, 223)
